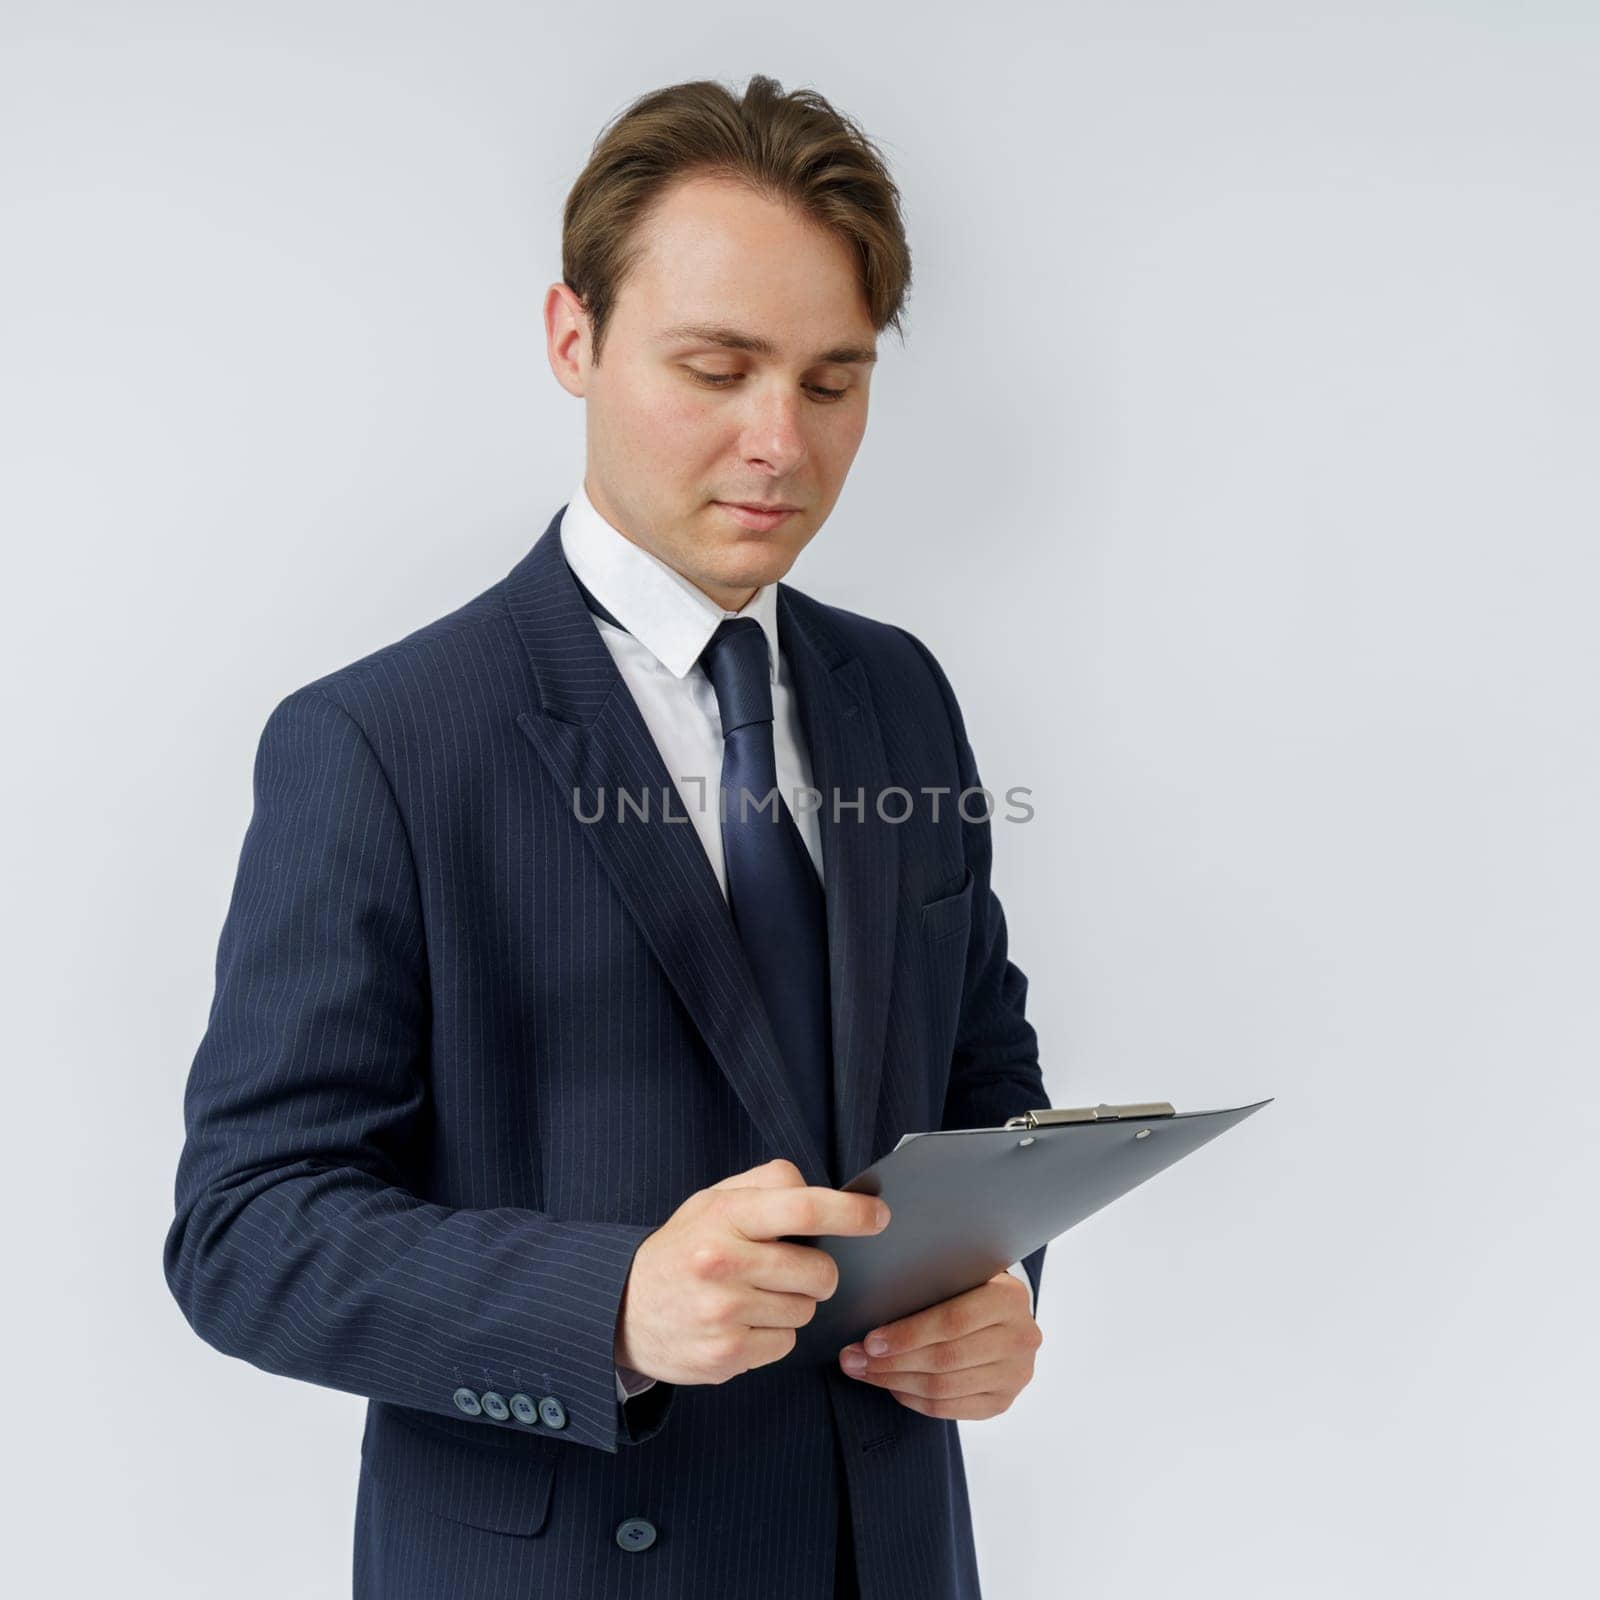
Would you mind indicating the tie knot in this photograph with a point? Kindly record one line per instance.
(739, 666)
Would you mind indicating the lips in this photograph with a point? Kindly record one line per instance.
(759, 517)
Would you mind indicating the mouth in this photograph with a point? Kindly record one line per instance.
(755, 515)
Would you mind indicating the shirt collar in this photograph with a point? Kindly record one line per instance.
(666, 613)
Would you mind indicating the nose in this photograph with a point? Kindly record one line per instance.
(774, 435)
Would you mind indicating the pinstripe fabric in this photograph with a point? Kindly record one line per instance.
(466, 1052)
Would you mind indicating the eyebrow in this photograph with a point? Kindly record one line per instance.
(843, 355)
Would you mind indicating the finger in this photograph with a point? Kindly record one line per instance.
(967, 1408)
(950, 1319)
(763, 1346)
(992, 1376)
(793, 1269)
(767, 1310)
(999, 1341)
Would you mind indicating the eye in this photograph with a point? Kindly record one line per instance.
(721, 380)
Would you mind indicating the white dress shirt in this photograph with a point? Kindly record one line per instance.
(666, 623)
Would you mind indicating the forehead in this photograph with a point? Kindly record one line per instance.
(714, 254)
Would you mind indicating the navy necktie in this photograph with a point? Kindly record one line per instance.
(773, 890)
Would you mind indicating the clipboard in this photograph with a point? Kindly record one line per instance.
(966, 1203)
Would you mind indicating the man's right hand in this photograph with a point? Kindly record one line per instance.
(713, 1291)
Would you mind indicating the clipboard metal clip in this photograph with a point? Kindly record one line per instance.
(1049, 1118)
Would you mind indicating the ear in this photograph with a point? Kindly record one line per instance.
(567, 338)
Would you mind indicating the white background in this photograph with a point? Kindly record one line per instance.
(1239, 465)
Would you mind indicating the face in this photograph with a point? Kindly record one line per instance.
(734, 372)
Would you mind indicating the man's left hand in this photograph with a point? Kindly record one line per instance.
(966, 1358)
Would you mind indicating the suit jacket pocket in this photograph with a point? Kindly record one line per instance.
(946, 923)
(951, 914)
(500, 1481)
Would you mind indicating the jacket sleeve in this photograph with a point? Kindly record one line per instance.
(296, 1244)
(995, 1071)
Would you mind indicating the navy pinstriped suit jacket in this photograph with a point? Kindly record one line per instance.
(466, 1052)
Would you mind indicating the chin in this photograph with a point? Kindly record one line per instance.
(755, 574)
(752, 561)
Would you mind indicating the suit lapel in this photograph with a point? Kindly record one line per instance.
(593, 742)
(860, 860)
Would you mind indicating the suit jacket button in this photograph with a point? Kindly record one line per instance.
(467, 1401)
(552, 1412)
(636, 1534)
(495, 1405)
(524, 1410)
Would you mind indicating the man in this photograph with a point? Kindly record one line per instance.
(515, 1098)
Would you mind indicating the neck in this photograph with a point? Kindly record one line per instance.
(719, 593)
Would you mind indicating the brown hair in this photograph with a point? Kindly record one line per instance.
(794, 148)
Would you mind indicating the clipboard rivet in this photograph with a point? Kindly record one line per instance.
(1022, 1144)
(1143, 1133)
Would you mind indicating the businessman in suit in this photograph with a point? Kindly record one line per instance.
(536, 1048)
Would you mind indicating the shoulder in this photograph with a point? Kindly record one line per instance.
(469, 655)
(910, 692)
(896, 661)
